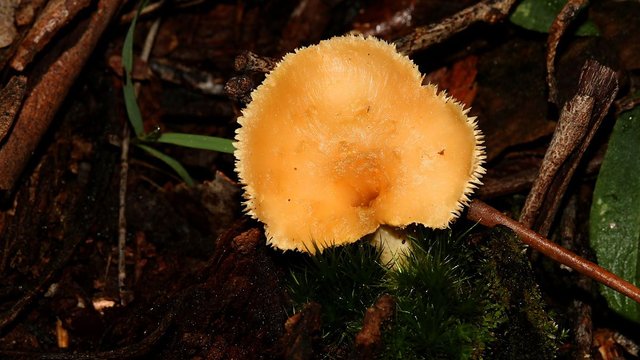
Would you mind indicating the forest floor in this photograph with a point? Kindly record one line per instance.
(106, 252)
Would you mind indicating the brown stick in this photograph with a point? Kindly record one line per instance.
(490, 11)
(47, 95)
(55, 16)
(490, 217)
(558, 28)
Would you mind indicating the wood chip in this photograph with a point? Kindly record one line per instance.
(8, 30)
(10, 102)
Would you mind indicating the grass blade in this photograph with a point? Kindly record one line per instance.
(130, 101)
(198, 142)
(173, 163)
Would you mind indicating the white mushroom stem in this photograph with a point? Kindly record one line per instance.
(393, 244)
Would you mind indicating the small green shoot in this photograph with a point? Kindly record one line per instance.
(131, 104)
(173, 163)
(197, 142)
(143, 140)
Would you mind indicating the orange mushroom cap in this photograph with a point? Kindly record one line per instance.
(341, 138)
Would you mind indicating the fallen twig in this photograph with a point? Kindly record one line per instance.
(488, 216)
(122, 216)
(55, 16)
(490, 11)
(49, 92)
(558, 28)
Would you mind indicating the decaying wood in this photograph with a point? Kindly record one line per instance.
(55, 16)
(248, 61)
(579, 120)
(520, 181)
(27, 11)
(564, 19)
(488, 216)
(239, 88)
(490, 11)
(46, 96)
(8, 30)
(302, 331)
(369, 339)
(10, 100)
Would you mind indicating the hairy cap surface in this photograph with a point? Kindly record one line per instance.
(341, 138)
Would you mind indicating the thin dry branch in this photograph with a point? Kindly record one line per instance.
(490, 11)
(490, 217)
(54, 17)
(558, 28)
(124, 171)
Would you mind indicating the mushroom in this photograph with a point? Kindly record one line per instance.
(342, 139)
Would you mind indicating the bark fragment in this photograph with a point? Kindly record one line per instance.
(579, 120)
(369, 339)
(48, 93)
(10, 100)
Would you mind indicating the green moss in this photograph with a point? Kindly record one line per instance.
(344, 280)
(529, 333)
(443, 312)
(454, 300)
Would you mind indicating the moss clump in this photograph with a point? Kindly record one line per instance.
(344, 280)
(529, 332)
(443, 311)
(454, 300)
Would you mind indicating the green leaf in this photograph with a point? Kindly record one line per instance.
(173, 163)
(538, 15)
(130, 101)
(198, 142)
(615, 211)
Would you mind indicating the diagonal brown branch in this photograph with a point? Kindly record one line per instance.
(490, 217)
(558, 28)
(490, 11)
